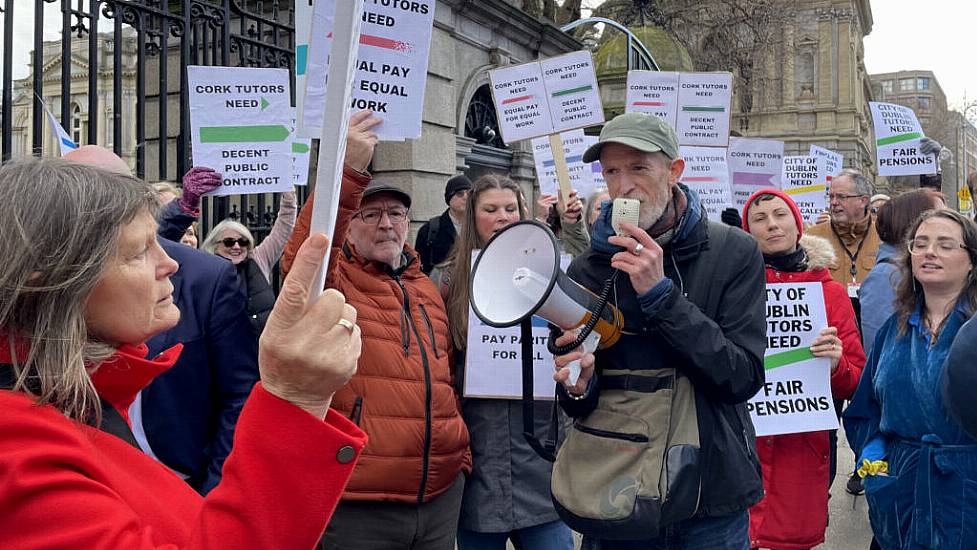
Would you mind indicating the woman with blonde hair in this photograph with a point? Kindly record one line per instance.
(507, 495)
(81, 289)
(233, 241)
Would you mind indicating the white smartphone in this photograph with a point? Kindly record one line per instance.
(624, 210)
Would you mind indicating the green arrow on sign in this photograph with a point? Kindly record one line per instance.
(299, 147)
(264, 104)
(239, 134)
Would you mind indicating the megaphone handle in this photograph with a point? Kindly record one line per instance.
(556, 332)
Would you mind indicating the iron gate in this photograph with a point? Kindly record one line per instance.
(168, 36)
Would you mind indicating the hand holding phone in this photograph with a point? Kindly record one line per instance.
(624, 210)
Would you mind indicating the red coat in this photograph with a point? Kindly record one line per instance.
(794, 513)
(68, 485)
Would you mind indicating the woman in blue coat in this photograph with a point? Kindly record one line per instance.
(920, 467)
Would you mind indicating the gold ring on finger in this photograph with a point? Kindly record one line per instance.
(346, 323)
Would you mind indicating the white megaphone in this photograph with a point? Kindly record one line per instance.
(517, 275)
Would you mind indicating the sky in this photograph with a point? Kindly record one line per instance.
(903, 37)
(939, 38)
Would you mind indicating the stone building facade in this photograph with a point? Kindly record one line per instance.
(77, 126)
(819, 89)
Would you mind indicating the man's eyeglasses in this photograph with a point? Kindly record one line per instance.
(943, 247)
(229, 242)
(840, 197)
(372, 215)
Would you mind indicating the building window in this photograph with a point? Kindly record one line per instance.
(923, 102)
(923, 83)
(76, 123)
(805, 75)
(907, 84)
(887, 86)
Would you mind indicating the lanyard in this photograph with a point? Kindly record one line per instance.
(858, 249)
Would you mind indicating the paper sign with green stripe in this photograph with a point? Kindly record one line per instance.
(897, 141)
(571, 88)
(241, 125)
(796, 393)
(703, 114)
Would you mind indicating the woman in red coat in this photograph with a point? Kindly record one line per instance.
(794, 513)
(82, 284)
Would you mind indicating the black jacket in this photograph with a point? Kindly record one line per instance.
(433, 248)
(722, 356)
(261, 297)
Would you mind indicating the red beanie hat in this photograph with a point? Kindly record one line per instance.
(798, 219)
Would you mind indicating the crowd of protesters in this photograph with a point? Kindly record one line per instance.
(157, 396)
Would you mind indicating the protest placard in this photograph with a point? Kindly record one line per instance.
(581, 175)
(573, 96)
(595, 168)
(391, 68)
(754, 164)
(301, 153)
(897, 135)
(493, 359)
(240, 125)
(653, 92)
(796, 396)
(703, 114)
(805, 179)
(833, 162)
(706, 174)
(545, 97)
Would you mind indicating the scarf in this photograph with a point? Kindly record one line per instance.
(791, 262)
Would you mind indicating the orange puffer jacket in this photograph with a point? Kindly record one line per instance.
(418, 440)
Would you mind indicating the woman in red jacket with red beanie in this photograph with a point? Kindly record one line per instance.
(83, 284)
(794, 513)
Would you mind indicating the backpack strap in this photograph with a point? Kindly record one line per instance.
(112, 421)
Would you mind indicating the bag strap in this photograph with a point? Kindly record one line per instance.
(547, 449)
(433, 225)
(112, 421)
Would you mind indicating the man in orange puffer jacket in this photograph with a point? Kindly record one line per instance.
(406, 489)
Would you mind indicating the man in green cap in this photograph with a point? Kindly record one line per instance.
(692, 293)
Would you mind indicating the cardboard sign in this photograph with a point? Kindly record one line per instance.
(754, 164)
(493, 360)
(796, 396)
(653, 92)
(546, 97)
(581, 175)
(703, 115)
(897, 135)
(301, 154)
(240, 125)
(391, 68)
(596, 171)
(805, 179)
(833, 161)
(706, 173)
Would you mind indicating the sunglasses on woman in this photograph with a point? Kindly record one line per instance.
(229, 242)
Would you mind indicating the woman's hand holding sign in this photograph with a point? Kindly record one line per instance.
(827, 344)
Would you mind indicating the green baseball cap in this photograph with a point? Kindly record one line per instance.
(642, 131)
